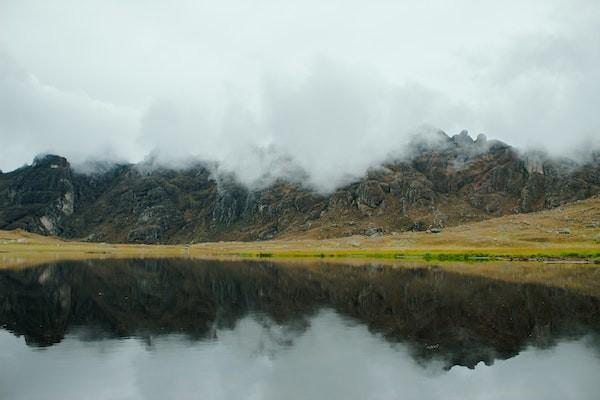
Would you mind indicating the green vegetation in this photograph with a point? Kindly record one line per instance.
(468, 256)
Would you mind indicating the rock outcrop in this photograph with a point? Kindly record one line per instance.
(450, 181)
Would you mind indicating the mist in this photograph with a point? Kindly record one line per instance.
(311, 92)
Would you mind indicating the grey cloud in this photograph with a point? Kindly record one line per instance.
(318, 92)
(37, 118)
(327, 128)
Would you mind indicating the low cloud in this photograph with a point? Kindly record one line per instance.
(326, 129)
(37, 118)
(312, 94)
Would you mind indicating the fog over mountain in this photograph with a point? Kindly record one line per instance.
(317, 91)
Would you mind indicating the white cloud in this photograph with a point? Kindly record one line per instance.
(38, 118)
(335, 85)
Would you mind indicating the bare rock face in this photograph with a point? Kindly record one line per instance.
(370, 194)
(447, 181)
(39, 198)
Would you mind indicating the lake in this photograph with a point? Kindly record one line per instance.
(191, 329)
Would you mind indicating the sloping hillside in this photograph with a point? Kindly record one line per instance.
(571, 232)
(448, 183)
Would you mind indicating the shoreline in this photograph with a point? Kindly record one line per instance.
(566, 234)
(27, 248)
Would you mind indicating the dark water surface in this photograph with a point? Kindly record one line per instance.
(181, 329)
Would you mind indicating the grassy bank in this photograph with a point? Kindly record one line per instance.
(569, 233)
(510, 254)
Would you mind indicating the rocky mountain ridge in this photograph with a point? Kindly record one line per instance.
(447, 181)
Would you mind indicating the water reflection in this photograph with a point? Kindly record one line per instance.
(261, 330)
(331, 360)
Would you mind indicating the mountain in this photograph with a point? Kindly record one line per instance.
(446, 181)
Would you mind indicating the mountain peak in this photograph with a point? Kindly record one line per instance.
(50, 161)
(463, 138)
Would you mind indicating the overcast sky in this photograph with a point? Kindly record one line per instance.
(334, 84)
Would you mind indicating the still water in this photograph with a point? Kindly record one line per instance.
(180, 329)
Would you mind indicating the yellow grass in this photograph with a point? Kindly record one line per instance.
(524, 237)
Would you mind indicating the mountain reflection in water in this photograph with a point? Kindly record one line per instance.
(266, 330)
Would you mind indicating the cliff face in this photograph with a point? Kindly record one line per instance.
(456, 180)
